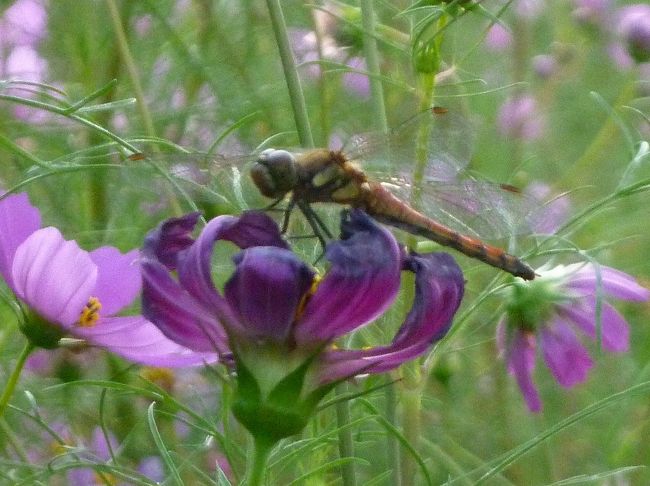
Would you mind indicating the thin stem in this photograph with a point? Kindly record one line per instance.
(261, 455)
(290, 74)
(346, 444)
(372, 61)
(131, 69)
(392, 449)
(13, 378)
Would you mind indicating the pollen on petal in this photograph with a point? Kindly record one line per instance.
(90, 313)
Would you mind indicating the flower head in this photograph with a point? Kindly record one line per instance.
(551, 309)
(276, 320)
(519, 117)
(634, 29)
(71, 292)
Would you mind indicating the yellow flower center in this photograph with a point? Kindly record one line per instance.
(163, 377)
(90, 313)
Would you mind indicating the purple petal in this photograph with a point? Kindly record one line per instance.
(169, 238)
(177, 314)
(18, 220)
(361, 283)
(439, 289)
(54, 276)
(584, 281)
(564, 354)
(267, 289)
(118, 280)
(520, 355)
(138, 340)
(195, 264)
(614, 329)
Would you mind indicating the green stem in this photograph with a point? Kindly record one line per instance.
(346, 444)
(13, 378)
(392, 449)
(132, 70)
(372, 61)
(261, 455)
(290, 74)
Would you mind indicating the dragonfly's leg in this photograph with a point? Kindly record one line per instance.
(321, 231)
(274, 204)
(287, 215)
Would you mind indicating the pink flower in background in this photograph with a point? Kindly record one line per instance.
(498, 38)
(634, 31)
(550, 309)
(23, 23)
(520, 118)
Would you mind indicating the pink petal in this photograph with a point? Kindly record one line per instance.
(53, 276)
(118, 281)
(564, 354)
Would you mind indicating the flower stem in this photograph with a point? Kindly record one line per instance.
(13, 378)
(132, 70)
(290, 74)
(257, 469)
(372, 61)
(346, 444)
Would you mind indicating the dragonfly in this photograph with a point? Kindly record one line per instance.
(451, 211)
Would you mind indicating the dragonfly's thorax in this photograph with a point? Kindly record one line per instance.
(327, 176)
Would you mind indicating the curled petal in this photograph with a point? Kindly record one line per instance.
(195, 265)
(585, 280)
(439, 288)
(118, 279)
(18, 220)
(138, 340)
(564, 354)
(267, 289)
(169, 238)
(361, 283)
(179, 316)
(520, 358)
(614, 330)
(53, 276)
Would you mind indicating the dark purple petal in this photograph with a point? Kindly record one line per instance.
(18, 220)
(614, 330)
(53, 276)
(267, 289)
(177, 314)
(138, 340)
(520, 356)
(564, 354)
(118, 280)
(584, 281)
(169, 238)
(195, 264)
(361, 283)
(439, 289)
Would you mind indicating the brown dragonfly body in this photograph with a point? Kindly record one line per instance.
(323, 175)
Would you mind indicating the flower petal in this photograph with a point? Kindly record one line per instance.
(584, 280)
(18, 220)
(267, 289)
(614, 329)
(138, 340)
(520, 356)
(169, 238)
(439, 288)
(179, 316)
(118, 280)
(54, 276)
(564, 354)
(195, 265)
(361, 283)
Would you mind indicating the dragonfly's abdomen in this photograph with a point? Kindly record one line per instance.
(387, 208)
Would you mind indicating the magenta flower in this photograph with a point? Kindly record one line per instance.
(550, 309)
(67, 291)
(634, 30)
(519, 117)
(275, 320)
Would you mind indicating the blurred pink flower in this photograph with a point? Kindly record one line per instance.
(23, 23)
(520, 118)
(634, 30)
(498, 38)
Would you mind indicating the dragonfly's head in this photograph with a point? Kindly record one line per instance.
(274, 173)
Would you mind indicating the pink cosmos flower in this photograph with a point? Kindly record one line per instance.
(550, 309)
(67, 291)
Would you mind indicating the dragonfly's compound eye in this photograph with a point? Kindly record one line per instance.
(275, 172)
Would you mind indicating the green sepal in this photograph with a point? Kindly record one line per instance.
(40, 332)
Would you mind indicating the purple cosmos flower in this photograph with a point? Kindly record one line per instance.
(550, 309)
(520, 118)
(69, 291)
(276, 319)
(634, 30)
